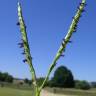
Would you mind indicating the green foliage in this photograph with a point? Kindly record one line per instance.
(40, 81)
(82, 85)
(5, 77)
(93, 84)
(62, 78)
(30, 82)
(27, 81)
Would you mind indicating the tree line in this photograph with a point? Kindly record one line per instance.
(62, 78)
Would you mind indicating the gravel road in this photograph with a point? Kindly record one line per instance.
(46, 93)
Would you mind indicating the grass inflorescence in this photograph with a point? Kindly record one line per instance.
(60, 53)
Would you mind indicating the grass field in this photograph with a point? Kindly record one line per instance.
(5, 91)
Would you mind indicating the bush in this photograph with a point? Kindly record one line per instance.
(26, 81)
(93, 84)
(30, 82)
(82, 85)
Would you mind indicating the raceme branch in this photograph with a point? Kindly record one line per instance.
(66, 40)
(25, 46)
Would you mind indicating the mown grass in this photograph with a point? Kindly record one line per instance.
(73, 92)
(4, 91)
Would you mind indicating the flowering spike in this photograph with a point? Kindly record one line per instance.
(72, 28)
(26, 45)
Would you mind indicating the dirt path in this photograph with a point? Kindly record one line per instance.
(46, 93)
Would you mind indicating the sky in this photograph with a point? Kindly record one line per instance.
(47, 24)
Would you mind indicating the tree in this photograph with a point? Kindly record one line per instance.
(62, 78)
(5, 77)
(9, 79)
(0, 76)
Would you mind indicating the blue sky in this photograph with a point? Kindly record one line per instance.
(47, 23)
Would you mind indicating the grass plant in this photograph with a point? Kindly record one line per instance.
(25, 45)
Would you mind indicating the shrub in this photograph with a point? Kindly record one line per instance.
(26, 80)
(93, 84)
(82, 85)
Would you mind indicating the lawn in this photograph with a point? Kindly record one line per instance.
(4, 91)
